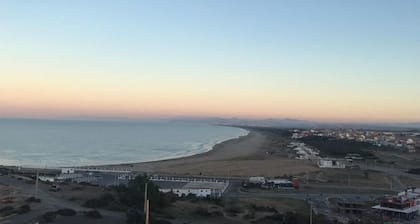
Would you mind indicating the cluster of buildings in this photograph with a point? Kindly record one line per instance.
(94, 177)
(331, 163)
(408, 141)
(180, 186)
(304, 152)
(271, 183)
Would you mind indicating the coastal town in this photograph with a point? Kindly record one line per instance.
(210, 112)
(336, 189)
(408, 141)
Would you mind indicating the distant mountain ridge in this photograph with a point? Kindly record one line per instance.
(296, 123)
(270, 122)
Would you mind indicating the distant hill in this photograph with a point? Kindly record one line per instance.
(296, 123)
(284, 123)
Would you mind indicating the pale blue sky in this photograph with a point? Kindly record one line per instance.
(370, 48)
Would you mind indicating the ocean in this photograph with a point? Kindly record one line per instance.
(55, 143)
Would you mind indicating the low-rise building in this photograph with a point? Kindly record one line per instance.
(186, 186)
(67, 170)
(48, 179)
(303, 152)
(349, 206)
(331, 163)
(404, 205)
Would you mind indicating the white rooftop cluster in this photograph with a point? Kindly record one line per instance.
(304, 152)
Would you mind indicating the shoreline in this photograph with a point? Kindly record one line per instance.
(239, 157)
(210, 146)
(218, 149)
(214, 147)
(244, 156)
(217, 152)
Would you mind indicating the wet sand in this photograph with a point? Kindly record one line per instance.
(241, 157)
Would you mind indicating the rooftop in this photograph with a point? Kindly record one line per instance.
(190, 185)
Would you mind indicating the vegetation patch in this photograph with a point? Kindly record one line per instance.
(95, 214)
(415, 171)
(66, 212)
(33, 199)
(339, 147)
(101, 202)
(23, 209)
(6, 211)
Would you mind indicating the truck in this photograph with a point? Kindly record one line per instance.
(257, 180)
(254, 182)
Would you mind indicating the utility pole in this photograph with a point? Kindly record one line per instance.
(310, 213)
(36, 183)
(145, 199)
(147, 212)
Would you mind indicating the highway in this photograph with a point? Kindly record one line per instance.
(317, 195)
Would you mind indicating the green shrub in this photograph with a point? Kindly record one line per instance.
(93, 214)
(105, 200)
(6, 211)
(200, 211)
(33, 199)
(49, 216)
(66, 212)
(23, 209)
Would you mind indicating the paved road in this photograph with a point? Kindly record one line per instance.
(234, 190)
(388, 170)
(299, 195)
(320, 201)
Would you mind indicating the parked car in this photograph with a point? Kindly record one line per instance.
(55, 188)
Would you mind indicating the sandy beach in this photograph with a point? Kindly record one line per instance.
(240, 157)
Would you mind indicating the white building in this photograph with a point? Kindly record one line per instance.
(201, 193)
(410, 141)
(47, 179)
(68, 176)
(331, 163)
(185, 186)
(67, 170)
(303, 152)
(295, 136)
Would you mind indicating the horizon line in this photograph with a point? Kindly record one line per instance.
(174, 118)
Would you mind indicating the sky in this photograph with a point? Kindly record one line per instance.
(347, 61)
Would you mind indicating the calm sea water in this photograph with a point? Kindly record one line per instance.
(41, 143)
